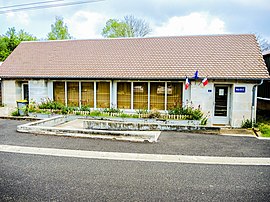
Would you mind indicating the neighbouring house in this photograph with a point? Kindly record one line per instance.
(141, 73)
(0, 89)
(264, 89)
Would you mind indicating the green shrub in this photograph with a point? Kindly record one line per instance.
(142, 111)
(123, 115)
(134, 116)
(64, 110)
(265, 129)
(85, 108)
(15, 113)
(204, 120)
(95, 113)
(111, 110)
(246, 123)
(190, 112)
(154, 114)
(49, 104)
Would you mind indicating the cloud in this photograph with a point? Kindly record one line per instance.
(21, 18)
(85, 25)
(192, 24)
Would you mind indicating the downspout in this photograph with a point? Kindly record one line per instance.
(253, 102)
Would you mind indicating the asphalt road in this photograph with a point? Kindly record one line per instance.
(46, 178)
(175, 143)
(27, 177)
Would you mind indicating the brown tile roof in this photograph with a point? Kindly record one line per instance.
(218, 56)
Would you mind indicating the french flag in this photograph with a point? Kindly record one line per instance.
(187, 84)
(205, 81)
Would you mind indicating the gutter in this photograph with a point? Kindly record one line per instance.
(253, 102)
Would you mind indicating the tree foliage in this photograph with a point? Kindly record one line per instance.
(139, 27)
(10, 40)
(115, 29)
(129, 27)
(59, 30)
(263, 43)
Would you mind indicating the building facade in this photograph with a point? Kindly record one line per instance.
(141, 74)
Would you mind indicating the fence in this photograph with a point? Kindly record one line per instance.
(144, 115)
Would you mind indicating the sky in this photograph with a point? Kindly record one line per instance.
(165, 17)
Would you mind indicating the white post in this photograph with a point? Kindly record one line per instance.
(66, 98)
(95, 94)
(132, 96)
(149, 96)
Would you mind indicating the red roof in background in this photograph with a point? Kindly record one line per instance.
(216, 56)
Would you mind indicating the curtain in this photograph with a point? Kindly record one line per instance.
(124, 95)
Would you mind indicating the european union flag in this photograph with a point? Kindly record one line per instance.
(196, 75)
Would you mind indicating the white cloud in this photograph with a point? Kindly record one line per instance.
(192, 24)
(21, 18)
(85, 25)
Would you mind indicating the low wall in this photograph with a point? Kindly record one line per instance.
(141, 126)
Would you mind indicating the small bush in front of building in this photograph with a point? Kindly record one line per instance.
(142, 111)
(49, 104)
(189, 112)
(111, 110)
(95, 113)
(64, 110)
(85, 108)
(15, 113)
(247, 123)
(154, 114)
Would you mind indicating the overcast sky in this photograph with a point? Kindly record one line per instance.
(166, 17)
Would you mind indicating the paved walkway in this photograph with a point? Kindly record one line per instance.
(136, 156)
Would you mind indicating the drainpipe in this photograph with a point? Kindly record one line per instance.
(253, 101)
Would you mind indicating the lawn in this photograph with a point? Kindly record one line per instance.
(263, 119)
(265, 129)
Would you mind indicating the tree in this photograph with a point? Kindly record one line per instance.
(263, 43)
(59, 30)
(115, 29)
(129, 27)
(10, 40)
(139, 27)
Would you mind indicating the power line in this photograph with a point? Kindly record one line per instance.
(48, 6)
(20, 5)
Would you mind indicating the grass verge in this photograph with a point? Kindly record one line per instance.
(265, 130)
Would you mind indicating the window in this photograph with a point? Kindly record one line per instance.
(174, 95)
(73, 94)
(87, 94)
(124, 95)
(59, 92)
(140, 98)
(103, 95)
(157, 96)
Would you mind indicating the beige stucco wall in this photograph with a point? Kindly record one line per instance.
(240, 103)
(203, 96)
(12, 91)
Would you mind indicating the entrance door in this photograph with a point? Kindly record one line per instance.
(221, 107)
(25, 92)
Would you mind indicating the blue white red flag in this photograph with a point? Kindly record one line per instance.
(196, 75)
(187, 84)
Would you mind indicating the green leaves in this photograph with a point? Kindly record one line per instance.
(59, 30)
(10, 40)
(116, 29)
(129, 27)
